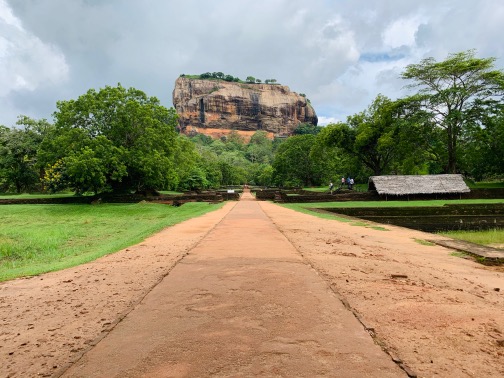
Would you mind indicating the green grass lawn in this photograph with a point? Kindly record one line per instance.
(484, 184)
(486, 237)
(170, 192)
(302, 207)
(40, 238)
(322, 189)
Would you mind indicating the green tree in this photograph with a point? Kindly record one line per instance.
(379, 138)
(456, 92)
(333, 161)
(483, 149)
(260, 148)
(18, 154)
(265, 175)
(114, 138)
(234, 141)
(195, 180)
(234, 167)
(218, 146)
(231, 161)
(210, 164)
(250, 79)
(306, 128)
(186, 161)
(293, 165)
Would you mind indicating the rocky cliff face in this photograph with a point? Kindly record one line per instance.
(216, 107)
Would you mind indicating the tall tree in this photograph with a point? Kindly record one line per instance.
(114, 138)
(293, 165)
(484, 149)
(373, 136)
(456, 92)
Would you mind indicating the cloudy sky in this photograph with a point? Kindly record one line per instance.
(341, 53)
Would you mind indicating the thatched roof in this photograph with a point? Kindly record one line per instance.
(426, 184)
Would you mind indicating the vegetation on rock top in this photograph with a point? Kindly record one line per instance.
(229, 78)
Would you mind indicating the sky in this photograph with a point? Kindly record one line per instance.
(340, 53)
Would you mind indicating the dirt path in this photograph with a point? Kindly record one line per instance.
(260, 309)
(242, 303)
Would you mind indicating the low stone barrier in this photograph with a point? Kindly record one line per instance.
(433, 219)
(132, 198)
(47, 201)
(324, 197)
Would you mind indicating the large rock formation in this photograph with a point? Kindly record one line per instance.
(216, 108)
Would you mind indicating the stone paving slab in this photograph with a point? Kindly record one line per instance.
(242, 303)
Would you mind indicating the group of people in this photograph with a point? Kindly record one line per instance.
(344, 181)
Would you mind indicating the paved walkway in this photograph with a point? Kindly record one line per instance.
(241, 303)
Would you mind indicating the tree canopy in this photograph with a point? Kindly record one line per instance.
(456, 93)
(18, 154)
(112, 139)
(293, 165)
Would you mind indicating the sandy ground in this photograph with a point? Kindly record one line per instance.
(441, 314)
(438, 314)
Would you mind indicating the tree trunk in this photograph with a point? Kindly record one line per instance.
(452, 147)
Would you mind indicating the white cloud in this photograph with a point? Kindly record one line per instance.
(7, 17)
(26, 63)
(341, 54)
(401, 32)
(323, 121)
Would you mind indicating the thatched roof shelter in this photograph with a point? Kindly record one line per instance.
(416, 184)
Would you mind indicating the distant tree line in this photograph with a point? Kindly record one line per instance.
(120, 140)
(453, 123)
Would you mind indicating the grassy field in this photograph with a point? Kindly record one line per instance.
(486, 237)
(170, 192)
(302, 207)
(41, 238)
(322, 189)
